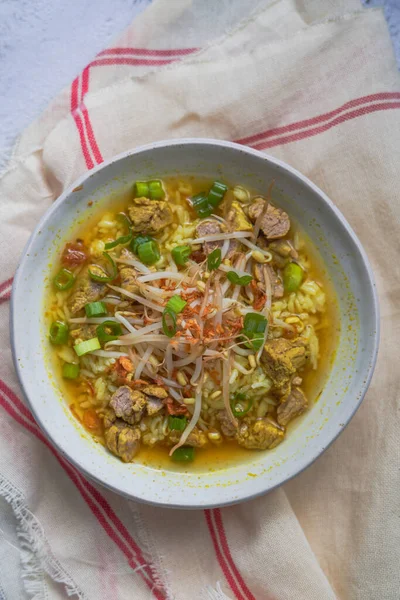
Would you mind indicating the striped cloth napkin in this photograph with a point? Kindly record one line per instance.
(302, 81)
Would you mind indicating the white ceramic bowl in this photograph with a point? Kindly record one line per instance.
(345, 262)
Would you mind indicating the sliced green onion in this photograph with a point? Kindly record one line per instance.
(241, 404)
(141, 189)
(237, 280)
(292, 277)
(177, 423)
(214, 259)
(149, 252)
(176, 304)
(64, 280)
(70, 371)
(254, 326)
(169, 329)
(58, 332)
(108, 331)
(183, 454)
(87, 346)
(124, 239)
(138, 241)
(181, 254)
(156, 190)
(106, 278)
(201, 205)
(95, 309)
(216, 193)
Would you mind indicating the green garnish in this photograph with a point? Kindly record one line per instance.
(169, 322)
(149, 189)
(205, 204)
(237, 280)
(87, 346)
(214, 259)
(64, 280)
(177, 423)
(181, 254)
(183, 454)
(241, 404)
(70, 371)
(149, 252)
(58, 333)
(176, 304)
(138, 241)
(108, 331)
(254, 326)
(141, 189)
(95, 309)
(105, 278)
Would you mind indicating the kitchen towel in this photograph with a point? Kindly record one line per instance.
(301, 80)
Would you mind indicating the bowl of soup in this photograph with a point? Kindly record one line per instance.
(193, 323)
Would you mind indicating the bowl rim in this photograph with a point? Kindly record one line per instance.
(363, 385)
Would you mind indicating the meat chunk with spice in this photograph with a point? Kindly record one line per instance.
(292, 406)
(281, 358)
(86, 290)
(122, 440)
(276, 281)
(149, 216)
(127, 273)
(196, 438)
(259, 435)
(275, 222)
(128, 404)
(227, 427)
(209, 227)
(237, 219)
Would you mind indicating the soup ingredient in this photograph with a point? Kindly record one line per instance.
(205, 204)
(183, 454)
(254, 327)
(128, 404)
(149, 189)
(92, 421)
(292, 277)
(241, 404)
(87, 346)
(169, 322)
(260, 435)
(196, 438)
(181, 254)
(275, 222)
(70, 371)
(95, 309)
(86, 290)
(64, 280)
(214, 259)
(177, 423)
(149, 216)
(149, 252)
(102, 276)
(237, 218)
(108, 331)
(74, 254)
(209, 227)
(292, 406)
(58, 332)
(176, 304)
(281, 358)
(123, 440)
(237, 280)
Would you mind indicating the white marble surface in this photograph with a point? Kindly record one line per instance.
(43, 45)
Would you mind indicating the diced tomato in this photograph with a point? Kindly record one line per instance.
(74, 254)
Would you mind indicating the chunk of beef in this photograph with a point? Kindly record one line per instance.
(128, 404)
(281, 358)
(155, 390)
(209, 227)
(123, 440)
(292, 406)
(149, 216)
(227, 427)
(276, 281)
(237, 219)
(284, 249)
(154, 405)
(275, 223)
(196, 438)
(128, 277)
(259, 435)
(86, 290)
(83, 332)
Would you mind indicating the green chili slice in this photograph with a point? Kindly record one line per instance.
(64, 280)
(108, 331)
(214, 259)
(177, 423)
(70, 371)
(123, 239)
(169, 322)
(183, 454)
(58, 333)
(105, 278)
(241, 404)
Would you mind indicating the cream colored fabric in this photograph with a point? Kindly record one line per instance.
(334, 531)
